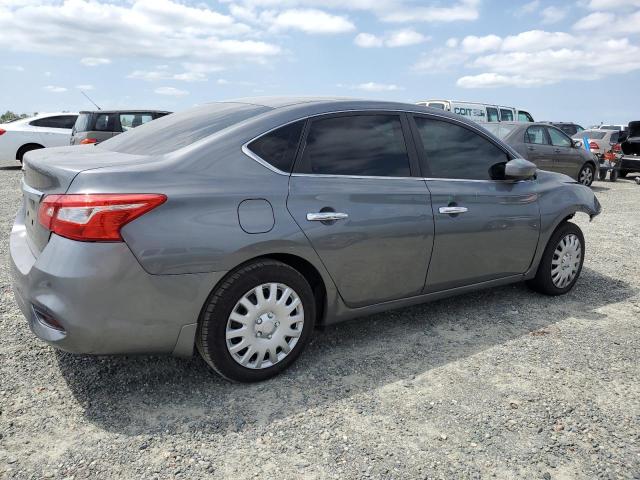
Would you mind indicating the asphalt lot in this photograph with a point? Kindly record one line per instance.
(503, 383)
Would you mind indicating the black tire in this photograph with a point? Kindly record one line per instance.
(613, 176)
(26, 148)
(583, 172)
(602, 176)
(543, 281)
(211, 336)
(623, 173)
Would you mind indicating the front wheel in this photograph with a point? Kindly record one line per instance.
(602, 176)
(586, 175)
(257, 322)
(561, 261)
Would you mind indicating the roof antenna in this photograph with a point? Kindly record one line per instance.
(88, 98)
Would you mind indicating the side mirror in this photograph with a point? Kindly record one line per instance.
(576, 143)
(519, 169)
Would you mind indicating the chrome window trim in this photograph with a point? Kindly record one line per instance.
(245, 146)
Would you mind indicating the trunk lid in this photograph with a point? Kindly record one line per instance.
(51, 171)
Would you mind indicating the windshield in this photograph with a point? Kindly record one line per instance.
(178, 130)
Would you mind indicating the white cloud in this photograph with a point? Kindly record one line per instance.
(377, 87)
(452, 42)
(431, 11)
(368, 40)
(309, 21)
(85, 87)
(94, 61)
(171, 91)
(398, 38)
(594, 21)
(553, 14)
(612, 4)
(528, 8)
(54, 89)
(156, 29)
(534, 40)
(494, 80)
(164, 74)
(440, 60)
(473, 44)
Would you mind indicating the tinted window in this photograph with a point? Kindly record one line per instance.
(104, 122)
(536, 135)
(492, 114)
(181, 129)
(363, 145)
(524, 116)
(506, 115)
(437, 105)
(614, 138)
(558, 138)
(595, 135)
(279, 147)
(60, 121)
(133, 120)
(454, 151)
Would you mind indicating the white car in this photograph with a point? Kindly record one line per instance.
(43, 130)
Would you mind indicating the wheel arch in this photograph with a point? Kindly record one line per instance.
(27, 147)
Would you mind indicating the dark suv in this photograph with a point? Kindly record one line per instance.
(95, 127)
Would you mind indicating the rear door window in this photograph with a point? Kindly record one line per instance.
(133, 120)
(558, 138)
(278, 148)
(536, 135)
(506, 115)
(456, 152)
(524, 116)
(359, 145)
(58, 121)
(104, 122)
(492, 114)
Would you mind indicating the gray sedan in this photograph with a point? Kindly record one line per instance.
(235, 227)
(549, 148)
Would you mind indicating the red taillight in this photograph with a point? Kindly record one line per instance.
(617, 148)
(94, 217)
(2, 131)
(88, 141)
(594, 146)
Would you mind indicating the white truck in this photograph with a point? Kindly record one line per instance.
(480, 112)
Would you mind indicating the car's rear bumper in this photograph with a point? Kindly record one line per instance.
(629, 163)
(103, 299)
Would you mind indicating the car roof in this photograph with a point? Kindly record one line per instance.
(126, 111)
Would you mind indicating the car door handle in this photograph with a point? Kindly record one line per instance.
(557, 150)
(326, 216)
(531, 148)
(453, 210)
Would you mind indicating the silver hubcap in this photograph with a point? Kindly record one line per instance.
(586, 175)
(566, 261)
(265, 325)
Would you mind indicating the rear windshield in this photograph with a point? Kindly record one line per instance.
(178, 130)
(594, 135)
(82, 123)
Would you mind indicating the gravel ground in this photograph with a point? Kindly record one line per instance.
(502, 383)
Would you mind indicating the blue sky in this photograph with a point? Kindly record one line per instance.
(560, 60)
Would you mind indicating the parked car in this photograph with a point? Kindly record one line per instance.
(619, 128)
(480, 112)
(252, 221)
(100, 125)
(630, 146)
(551, 149)
(604, 145)
(569, 128)
(44, 130)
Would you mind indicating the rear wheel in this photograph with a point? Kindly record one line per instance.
(561, 261)
(602, 176)
(623, 173)
(586, 175)
(613, 176)
(257, 322)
